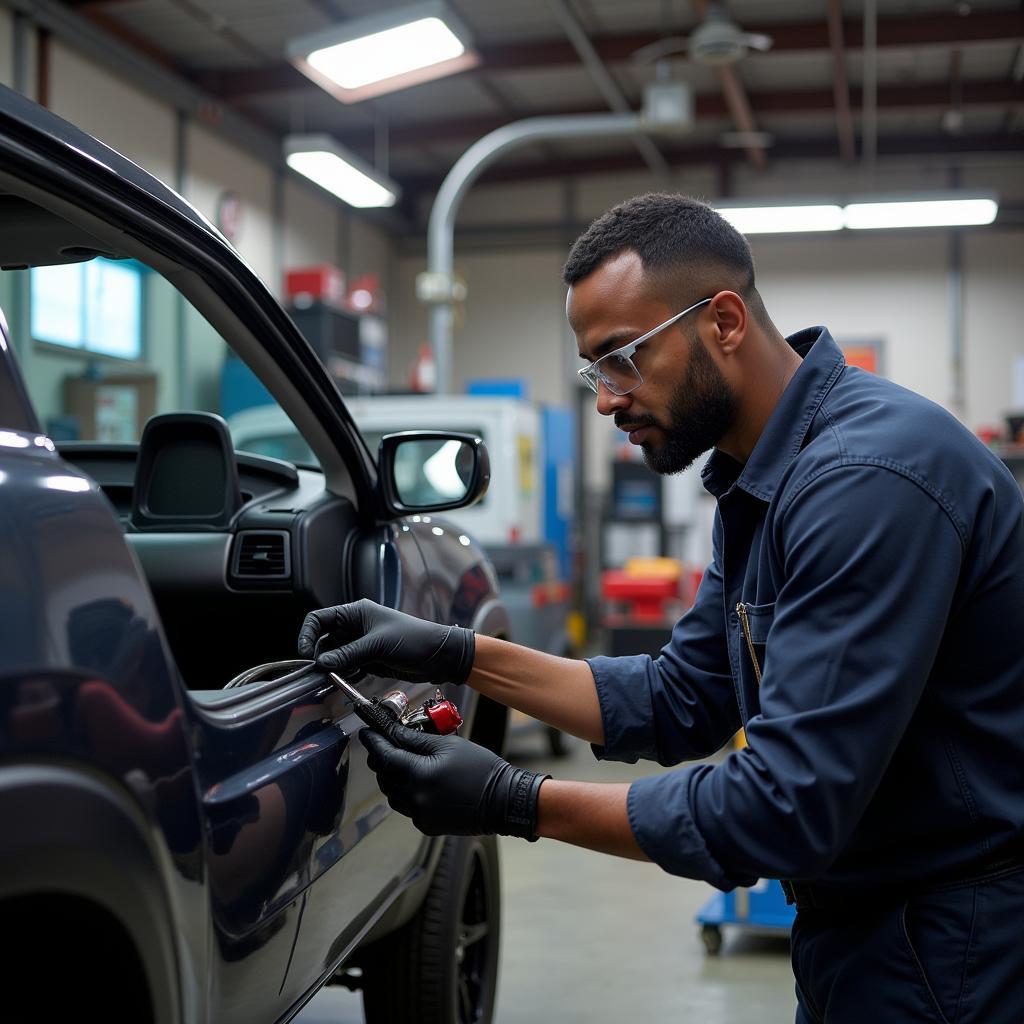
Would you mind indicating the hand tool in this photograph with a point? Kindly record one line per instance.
(435, 715)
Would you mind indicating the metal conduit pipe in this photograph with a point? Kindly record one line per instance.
(441, 227)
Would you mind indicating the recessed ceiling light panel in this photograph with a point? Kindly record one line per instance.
(366, 57)
(340, 172)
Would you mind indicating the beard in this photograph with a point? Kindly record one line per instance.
(701, 410)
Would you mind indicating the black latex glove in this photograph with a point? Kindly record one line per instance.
(364, 636)
(451, 786)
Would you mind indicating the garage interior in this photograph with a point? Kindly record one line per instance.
(756, 107)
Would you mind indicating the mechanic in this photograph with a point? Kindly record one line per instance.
(862, 618)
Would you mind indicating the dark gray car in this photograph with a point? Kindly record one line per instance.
(184, 839)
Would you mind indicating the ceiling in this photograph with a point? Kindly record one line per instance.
(949, 77)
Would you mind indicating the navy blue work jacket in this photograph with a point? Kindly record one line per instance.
(863, 619)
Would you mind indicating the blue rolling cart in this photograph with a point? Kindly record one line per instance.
(761, 907)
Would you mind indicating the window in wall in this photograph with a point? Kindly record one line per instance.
(95, 307)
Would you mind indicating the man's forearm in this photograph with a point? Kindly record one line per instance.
(559, 691)
(588, 814)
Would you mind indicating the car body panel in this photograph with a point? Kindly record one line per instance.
(271, 845)
(86, 674)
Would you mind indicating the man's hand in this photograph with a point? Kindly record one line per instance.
(368, 637)
(450, 786)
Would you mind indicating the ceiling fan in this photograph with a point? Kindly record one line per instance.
(717, 40)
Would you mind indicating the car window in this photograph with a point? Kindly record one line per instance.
(105, 344)
(284, 445)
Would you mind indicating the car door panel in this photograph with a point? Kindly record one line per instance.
(354, 878)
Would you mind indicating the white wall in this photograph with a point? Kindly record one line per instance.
(894, 289)
(312, 227)
(127, 120)
(513, 324)
(993, 315)
(216, 166)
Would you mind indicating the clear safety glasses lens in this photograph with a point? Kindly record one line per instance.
(617, 373)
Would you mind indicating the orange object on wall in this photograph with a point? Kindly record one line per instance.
(864, 356)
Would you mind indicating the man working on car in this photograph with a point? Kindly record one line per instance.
(862, 618)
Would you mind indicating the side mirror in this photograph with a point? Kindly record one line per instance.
(432, 470)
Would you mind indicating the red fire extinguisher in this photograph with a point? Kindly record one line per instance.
(424, 370)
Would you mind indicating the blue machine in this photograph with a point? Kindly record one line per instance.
(240, 388)
(762, 907)
(557, 451)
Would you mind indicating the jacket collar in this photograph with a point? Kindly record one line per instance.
(786, 429)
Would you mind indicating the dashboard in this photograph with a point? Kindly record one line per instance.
(233, 583)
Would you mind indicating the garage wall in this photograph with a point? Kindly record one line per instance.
(512, 326)
(313, 227)
(993, 314)
(866, 289)
(103, 105)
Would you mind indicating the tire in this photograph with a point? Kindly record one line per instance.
(556, 742)
(711, 936)
(442, 966)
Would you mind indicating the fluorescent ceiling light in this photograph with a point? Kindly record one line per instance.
(393, 50)
(957, 209)
(752, 220)
(340, 172)
(927, 210)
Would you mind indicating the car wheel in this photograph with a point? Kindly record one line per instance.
(556, 742)
(442, 966)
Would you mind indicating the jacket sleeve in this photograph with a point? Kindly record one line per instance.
(871, 561)
(681, 705)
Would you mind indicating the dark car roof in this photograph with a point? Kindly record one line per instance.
(16, 108)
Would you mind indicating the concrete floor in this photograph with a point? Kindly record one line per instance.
(595, 939)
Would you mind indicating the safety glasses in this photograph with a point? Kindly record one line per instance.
(616, 370)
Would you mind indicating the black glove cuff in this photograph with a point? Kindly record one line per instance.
(468, 655)
(520, 817)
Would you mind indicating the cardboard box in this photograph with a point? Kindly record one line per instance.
(111, 409)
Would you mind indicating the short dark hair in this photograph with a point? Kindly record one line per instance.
(685, 246)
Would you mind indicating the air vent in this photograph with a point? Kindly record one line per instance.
(262, 555)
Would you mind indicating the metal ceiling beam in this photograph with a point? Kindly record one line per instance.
(708, 105)
(869, 105)
(840, 83)
(801, 149)
(906, 31)
(606, 84)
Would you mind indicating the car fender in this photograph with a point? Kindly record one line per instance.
(75, 832)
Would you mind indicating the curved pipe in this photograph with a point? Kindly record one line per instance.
(441, 228)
